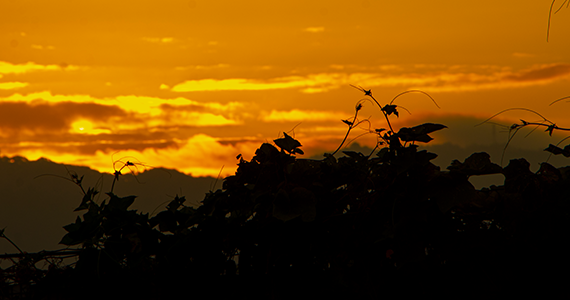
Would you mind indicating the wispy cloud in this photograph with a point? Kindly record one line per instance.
(237, 84)
(297, 115)
(202, 67)
(158, 40)
(310, 83)
(131, 103)
(540, 73)
(12, 85)
(314, 29)
(9, 68)
(41, 47)
(425, 77)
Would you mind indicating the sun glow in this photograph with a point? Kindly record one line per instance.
(86, 127)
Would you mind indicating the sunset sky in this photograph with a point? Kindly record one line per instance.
(189, 85)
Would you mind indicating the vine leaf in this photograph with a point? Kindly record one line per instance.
(419, 133)
(390, 109)
(87, 198)
(557, 150)
(476, 164)
(120, 203)
(287, 143)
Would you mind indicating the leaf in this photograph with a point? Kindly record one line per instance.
(166, 221)
(88, 197)
(68, 240)
(354, 154)
(347, 122)
(550, 129)
(419, 133)
(557, 150)
(476, 164)
(287, 143)
(73, 226)
(175, 204)
(390, 109)
(431, 127)
(116, 203)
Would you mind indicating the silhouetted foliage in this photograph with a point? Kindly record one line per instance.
(358, 226)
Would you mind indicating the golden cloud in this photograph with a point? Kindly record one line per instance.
(12, 85)
(8, 68)
(163, 40)
(310, 83)
(314, 29)
(131, 103)
(200, 155)
(441, 78)
(72, 118)
(297, 115)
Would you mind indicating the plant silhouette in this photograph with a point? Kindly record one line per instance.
(550, 128)
(567, 2)
(361, 226)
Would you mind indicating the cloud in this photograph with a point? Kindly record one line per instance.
(199, 155)
(130, 103)
(12, 85)
(297, 115)
(8, 68)
(202, 67)
(67, 125)
(42, 117)
(158, 40)
(314, 29)
(310, 83)
(540, 73)
(232, 84)
(41, 47)
(426, 77)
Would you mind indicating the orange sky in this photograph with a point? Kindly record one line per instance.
(190, 84)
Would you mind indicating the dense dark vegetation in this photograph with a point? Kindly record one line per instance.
(388, 223)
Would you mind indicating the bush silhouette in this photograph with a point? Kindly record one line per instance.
(361, 226)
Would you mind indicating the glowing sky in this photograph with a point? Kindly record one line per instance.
(191, 84)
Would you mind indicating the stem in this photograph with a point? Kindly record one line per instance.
(13, 244)
(347, 133)
(543, 124)
(383, 112)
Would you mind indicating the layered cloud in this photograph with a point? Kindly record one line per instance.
(297, 115)
(9, 68)
(72, 128)
(429, 78)
(163, 40)
(199, 155)
(12, 85)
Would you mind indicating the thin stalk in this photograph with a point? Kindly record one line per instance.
(9, 240)
(347, 132)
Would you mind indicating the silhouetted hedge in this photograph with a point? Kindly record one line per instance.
(360, 226)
